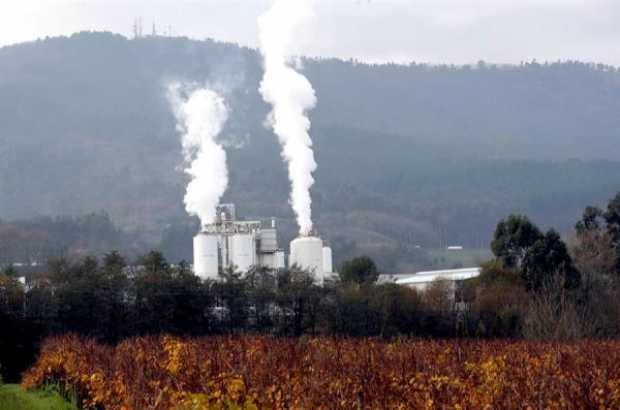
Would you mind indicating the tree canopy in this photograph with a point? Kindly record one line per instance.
(359, 270)
(520, 245)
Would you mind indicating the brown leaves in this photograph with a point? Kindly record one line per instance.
(325, 373)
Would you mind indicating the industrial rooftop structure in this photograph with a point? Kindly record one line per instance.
(422, 280)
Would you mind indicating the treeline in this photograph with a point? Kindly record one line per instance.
(537, 287)
(108, 300)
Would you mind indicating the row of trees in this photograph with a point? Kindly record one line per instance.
(108, 300)
(537, 287)
(540, 287)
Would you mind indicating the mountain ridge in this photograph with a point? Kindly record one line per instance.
(418, 154)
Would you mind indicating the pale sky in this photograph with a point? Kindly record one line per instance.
(436, 31)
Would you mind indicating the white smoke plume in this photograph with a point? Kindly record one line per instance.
(291, 96)
(200, 118)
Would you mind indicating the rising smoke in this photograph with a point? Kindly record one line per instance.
(291, 96)
(201, 114)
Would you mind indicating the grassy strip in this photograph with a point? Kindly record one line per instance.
(13, 397)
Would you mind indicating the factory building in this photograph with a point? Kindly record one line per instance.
(232, 244)
(241, 245)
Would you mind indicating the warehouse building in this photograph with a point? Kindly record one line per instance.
(421, 281)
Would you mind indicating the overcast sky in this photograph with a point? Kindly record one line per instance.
(437, 31)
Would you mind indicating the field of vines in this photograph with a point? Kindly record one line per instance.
(326, 373)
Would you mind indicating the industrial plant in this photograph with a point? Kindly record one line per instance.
(239, 245)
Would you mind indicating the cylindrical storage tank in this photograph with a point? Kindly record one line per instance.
(243, 251)
(206, 264)
(307, 253)
(328, 266)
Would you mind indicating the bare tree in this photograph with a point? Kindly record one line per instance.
(554, 314)
(439, 296)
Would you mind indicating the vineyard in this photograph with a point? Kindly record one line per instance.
(325, 373)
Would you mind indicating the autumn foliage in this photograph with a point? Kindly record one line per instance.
(325, 373)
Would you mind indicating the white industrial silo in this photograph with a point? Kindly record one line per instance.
(243, 251)
(307, 253)
(328, 265)
(206, 256)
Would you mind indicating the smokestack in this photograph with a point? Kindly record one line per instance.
(291, 95)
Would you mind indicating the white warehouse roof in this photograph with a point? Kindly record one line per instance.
(430, 276)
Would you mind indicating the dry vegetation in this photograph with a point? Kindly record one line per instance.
(325, 373)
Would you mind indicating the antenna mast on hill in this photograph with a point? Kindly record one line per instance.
(137, 28)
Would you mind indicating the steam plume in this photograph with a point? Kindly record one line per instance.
(200, 118)
(291, 96)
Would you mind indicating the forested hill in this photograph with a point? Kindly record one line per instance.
(408, 155)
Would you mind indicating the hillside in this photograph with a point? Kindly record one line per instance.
(408, 155)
